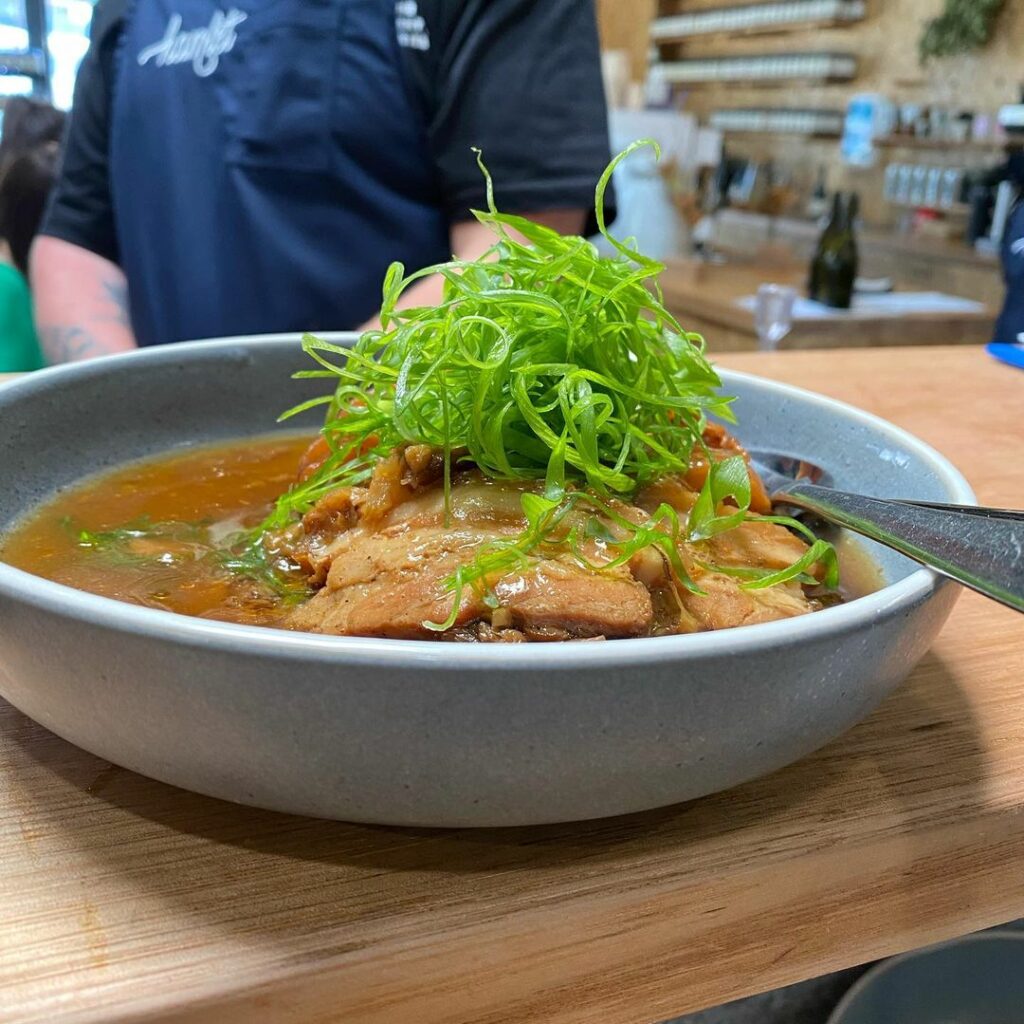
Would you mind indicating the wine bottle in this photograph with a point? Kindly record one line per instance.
(834, 267)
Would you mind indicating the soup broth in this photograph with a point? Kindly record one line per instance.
(182, 507)
(153, 533)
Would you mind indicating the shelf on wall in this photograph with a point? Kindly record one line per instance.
(769, 85)
(769, 69)
(758, 19)
(714, 38)
(916, 142)
(790, 121)
(954, 209)
(742, 133)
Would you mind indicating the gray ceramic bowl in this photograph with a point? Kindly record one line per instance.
(978, 979)
(420, 733)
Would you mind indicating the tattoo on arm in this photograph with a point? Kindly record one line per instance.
(117, 292)
(65, 343)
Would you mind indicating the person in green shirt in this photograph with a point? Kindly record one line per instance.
(25, 184)
(19, 346)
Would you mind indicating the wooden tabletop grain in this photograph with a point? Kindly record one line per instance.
(124, 900)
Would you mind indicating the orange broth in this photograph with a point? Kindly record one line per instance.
(183, 505)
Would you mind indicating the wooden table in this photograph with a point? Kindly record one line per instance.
(124, 900)
(703, 296)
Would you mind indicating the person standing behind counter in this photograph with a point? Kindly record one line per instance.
(25, 183)
(1010, 325)
(256, 167)
(28, 152)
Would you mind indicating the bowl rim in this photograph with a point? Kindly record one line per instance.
(119, 616)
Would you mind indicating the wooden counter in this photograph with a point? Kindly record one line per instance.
(125, 900)
(703, 296)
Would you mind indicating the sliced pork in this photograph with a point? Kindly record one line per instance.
(384, 558)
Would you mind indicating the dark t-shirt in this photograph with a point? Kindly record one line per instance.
(520, 79)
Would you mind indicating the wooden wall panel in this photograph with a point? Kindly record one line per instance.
(625, 25)
(886, 44)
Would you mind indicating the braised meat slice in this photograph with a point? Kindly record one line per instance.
(727, 604)
(389, 584)
(387, 580)
(754, 543)
(384, 557)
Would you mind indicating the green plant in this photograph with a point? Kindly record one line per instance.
(964, 25)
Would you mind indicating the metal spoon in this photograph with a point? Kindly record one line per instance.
(793, 469)
(982, 548)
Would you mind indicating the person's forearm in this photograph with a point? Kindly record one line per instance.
(81, 302)
(470, 240)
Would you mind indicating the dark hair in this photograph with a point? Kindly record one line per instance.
(29, 123)
(25, 185)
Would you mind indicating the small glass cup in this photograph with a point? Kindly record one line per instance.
(773, 315)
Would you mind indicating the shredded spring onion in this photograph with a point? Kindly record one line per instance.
(545, 360)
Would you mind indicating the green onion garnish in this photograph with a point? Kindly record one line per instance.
(546, 361)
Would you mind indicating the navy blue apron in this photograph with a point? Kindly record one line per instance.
(267, 163)
(1010, 325)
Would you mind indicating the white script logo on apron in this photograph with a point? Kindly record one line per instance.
(200, 46)
(1017, 247)
(411, 26)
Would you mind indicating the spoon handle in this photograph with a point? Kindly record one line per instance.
(983, 553)
(971, 510)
